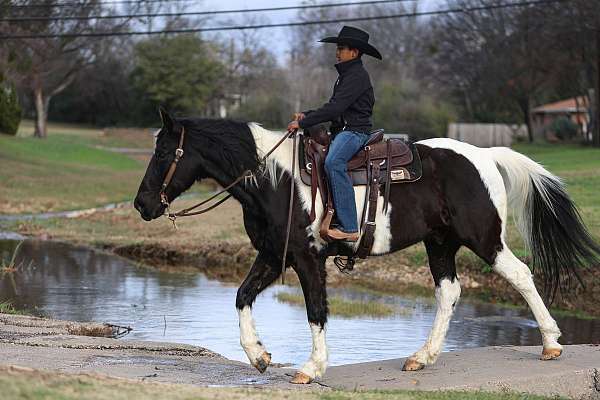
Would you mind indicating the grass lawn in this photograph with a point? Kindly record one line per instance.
(23, 384)
(68, 170)
(108, 137)
(62, 173)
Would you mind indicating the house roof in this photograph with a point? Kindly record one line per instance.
(572, 105)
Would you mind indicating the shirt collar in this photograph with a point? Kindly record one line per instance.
(346, 65)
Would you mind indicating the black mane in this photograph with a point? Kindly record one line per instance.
(226, 142)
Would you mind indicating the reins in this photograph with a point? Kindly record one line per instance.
(245, 175)
(291, 207)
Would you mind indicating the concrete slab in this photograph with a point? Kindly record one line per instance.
(575, 374)
(46, 345)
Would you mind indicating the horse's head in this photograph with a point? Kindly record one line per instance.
(157, 189)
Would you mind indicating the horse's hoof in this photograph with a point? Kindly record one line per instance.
(551, 354)
(412, 365)
(263, 362)
(301, 379)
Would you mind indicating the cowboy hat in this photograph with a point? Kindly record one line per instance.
(355, 38)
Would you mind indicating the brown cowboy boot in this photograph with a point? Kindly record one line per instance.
(336, 234)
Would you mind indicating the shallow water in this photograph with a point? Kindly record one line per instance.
(66, 282)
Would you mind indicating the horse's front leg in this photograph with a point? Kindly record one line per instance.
(260, 276)
(312, 275)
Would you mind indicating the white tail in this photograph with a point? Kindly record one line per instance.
(550, 224)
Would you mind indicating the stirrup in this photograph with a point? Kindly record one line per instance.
(344, 265)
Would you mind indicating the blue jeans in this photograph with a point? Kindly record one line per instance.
(345, 145)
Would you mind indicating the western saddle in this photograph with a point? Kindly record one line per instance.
(377, 165)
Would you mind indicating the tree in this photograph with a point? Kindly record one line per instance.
(181, 72)
(10, 111)
(500, 62)
(255, 88)
(103, 94)
(45, 67)
(488, 60)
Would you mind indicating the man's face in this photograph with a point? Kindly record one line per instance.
(344, 53)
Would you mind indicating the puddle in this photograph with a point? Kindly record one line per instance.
(79, 284)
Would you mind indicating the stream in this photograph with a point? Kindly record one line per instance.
(75, 283)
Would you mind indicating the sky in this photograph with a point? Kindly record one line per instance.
(278, 39)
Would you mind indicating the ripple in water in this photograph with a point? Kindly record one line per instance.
(74, 283)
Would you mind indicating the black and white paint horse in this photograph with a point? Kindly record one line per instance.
(461, 200)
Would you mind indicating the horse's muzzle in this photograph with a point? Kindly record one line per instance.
(143, 209)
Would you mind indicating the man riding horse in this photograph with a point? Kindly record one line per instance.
(349, 110)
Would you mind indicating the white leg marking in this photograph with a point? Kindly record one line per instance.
(248, 337)
(519, 275)
(383, 235)
(519, 170)
(446, 295)
(317, 364)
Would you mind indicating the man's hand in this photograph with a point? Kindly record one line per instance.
(298, 116)
(292, 126)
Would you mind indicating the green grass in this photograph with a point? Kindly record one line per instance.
(62, 173)
(579, 167)
(10, 266)
(557, 312)
(6, 307)
(62, 150)
(18, 384)
(109, 137)
(342, 307)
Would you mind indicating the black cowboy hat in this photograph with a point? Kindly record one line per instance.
(355, 38)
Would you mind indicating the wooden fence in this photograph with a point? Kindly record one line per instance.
(486, 135)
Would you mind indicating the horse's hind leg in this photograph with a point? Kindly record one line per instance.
(518, 274)
(260, 276)
(447, 292)
(312, 275)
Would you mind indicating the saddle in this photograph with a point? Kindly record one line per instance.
(380, 163)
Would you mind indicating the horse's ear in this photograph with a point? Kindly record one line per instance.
(166, 119)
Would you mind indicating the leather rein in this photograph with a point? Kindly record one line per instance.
(187, 212)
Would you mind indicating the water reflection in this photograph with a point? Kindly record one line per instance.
(74, 283)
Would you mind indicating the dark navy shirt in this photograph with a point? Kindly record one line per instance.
(351, 105)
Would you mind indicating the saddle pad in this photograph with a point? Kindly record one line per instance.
(400, 174)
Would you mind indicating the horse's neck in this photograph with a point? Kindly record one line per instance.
(266, 140)
(256, 193)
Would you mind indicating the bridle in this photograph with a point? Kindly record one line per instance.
(186, 212)
(245, 175)
(178, 154)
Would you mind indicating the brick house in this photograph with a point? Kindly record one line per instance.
(576, 109)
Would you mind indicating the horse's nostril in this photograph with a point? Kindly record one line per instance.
(137, 205)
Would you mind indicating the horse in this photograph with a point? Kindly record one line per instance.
(461, 200)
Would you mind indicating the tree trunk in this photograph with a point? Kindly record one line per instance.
(525, 104)
(469, 105)
(529, 125)
(596, 132)
(41, 113)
